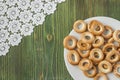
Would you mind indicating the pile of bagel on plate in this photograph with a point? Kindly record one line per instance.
(97, 52)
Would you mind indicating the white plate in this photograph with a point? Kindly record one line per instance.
(74, 71)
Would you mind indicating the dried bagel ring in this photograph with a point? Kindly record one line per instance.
(116, 70)
(91, 73)
(96, 55)
(70, 42)
(107, 32)
(85, 64)
(87, 37)
(84, 53)
(83, 46)
(97, 28)
(112, 56)
(89, 25)
(111, 40)
(116, 35)
(105, 66)
(99, 41)
(98, 76)
(80, 26)
(73, 57)
(108, 48)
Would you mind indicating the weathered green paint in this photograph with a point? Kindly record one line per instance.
(40, 56)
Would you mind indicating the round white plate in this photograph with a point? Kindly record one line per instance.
(74, 71)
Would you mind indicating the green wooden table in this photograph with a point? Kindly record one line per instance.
(40, 56)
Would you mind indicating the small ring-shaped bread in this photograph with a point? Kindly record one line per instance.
(73, 57)
(89, 25)
(116, 35)
(111, 40)
(87, 37)
(85, 64)
(99, 41)
(107, 32)
(105, 66)
(83, 46)
(108, 48)
(97, 28)
(91, 73)
(96, 55)
(80, 26)
(84, 53)
(112, 56)
(70, 42)
(97, 77)
(116, 70)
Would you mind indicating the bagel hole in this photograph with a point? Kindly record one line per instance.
(106, 32)
(116, 43)
(105, 66)
(70, 42)
(119, 35)
(96, 55)
(97, 41)
(109, 49)
(113, 57)
(73, 57)
(90, 71)
(83, 44)
(118, 70)
(80, 26)
(97, 28)
(87, 37)
(85, 64)
(83, 52)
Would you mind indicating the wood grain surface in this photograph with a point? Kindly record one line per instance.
(40, 56)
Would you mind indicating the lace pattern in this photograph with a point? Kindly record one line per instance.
(18, 18)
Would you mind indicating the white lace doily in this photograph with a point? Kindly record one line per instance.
(18, 18)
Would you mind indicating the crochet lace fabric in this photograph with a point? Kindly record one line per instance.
(18, 18)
